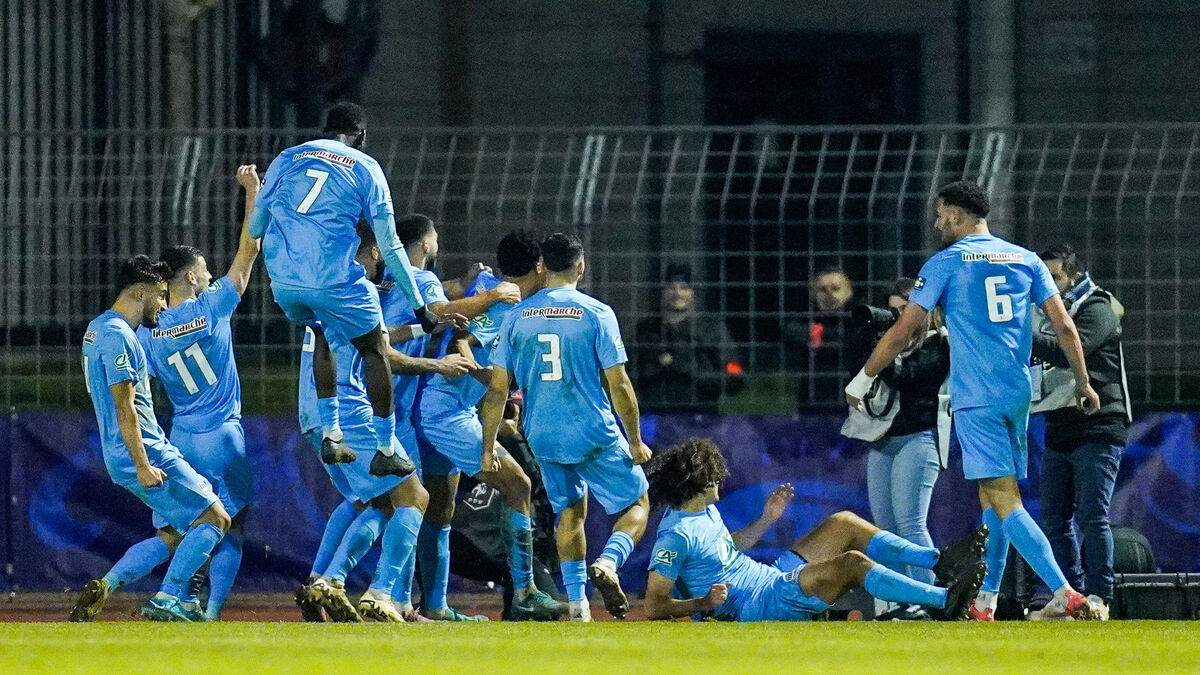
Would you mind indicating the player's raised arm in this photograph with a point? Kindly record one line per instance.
(248, 245)
(491, 413)
(777, 501)
(1086, 398)
(625, 404)
(148, 476)
(472, 306)
(911, 320)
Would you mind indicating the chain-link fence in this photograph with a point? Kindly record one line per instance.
(753, 213)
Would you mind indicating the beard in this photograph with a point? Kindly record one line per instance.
(150, 318)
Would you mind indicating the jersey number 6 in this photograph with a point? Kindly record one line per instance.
(553, 356)
(999, 305)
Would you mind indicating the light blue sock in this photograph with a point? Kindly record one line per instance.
(891, 586)
(618, 548)
(385, 430)
(520, 555)
(358, 539)
(191, 553)
(335, 529)
(1034, 547)
(402, 589)
(226, 561)
(574, 574)
(893, 550)
(327, 413)
(138, 561)
(399, 539)
(433, 554)
(995, 553)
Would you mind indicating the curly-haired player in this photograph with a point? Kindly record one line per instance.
(698, 569)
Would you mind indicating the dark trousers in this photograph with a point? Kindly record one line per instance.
(1078, 485)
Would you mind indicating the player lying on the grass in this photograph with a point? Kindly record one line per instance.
(563, 347)
(137, 454)
(190, 352)
(395, 505)
(306, 214)
(450, 434)
(698, 569)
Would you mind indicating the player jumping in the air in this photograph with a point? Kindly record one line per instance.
(563, 347)
(306, 214)
(450, 433)
(986, 286)
(136, 452)
(698, 569)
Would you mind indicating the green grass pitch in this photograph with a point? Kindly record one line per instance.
(615, 648)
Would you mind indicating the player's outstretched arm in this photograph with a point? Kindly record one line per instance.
(398, 335)
(248, 246)
(625, 404)
(450, 366)
(911, 320)
(491, 412)
(471, 307)
(148, 476)
(1086, 398)
(660, 605)
(777, 501)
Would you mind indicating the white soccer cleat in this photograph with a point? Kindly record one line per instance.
(1099, 608)
(581, 612)
(378, 606)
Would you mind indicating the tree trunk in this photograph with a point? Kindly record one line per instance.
(179, 18)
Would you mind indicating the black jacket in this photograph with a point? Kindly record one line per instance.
(917, 378)
(1100, 332)
(704, 364)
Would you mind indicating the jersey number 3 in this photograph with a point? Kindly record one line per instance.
(999, 305)
(197, 355)
(553, 356)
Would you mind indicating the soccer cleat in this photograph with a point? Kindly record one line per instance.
(905, 613)
(974, 613)
(1099, 607)
(310, 604)
(332, 596)
(1075, 607)
(961, 554)
(336, 452)
(581, 612)
(961, 593)
(537, 606)
(609, 584)
(378, 607)
(413, 616)
(195, 612)
(391, 465)
(163, 607)
(450, 614)
(91, 600)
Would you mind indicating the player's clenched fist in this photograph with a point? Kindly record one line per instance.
(150, 476)
(716, 596)
(247, 177)
(641, 453)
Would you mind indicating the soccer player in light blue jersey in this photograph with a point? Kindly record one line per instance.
(563, 347)
(388, 503)
(137, 454)
(450, 434)
(306, 214)
(986, 286)
(697, 567)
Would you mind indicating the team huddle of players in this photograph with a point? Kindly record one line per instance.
(404, 384)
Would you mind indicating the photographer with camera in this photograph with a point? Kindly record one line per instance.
(905, 417)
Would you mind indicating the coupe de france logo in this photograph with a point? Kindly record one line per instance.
(665, 557)
(122, 360)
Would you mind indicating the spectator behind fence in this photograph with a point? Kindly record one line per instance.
(818, 348)
(1079, 470)
(907, 451)
(684, 360)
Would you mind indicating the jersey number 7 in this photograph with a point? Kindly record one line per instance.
(311, 197)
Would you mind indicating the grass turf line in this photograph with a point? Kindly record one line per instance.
(1008, 647)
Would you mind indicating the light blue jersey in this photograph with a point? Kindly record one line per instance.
(695, 550)
(986, 285)
(443, 395)
(398, 311)
(315, 193)
(191, 354)
(111, 355)
(353, 405)
(556, 342)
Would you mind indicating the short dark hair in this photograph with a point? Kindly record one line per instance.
(413, 227)
(683, 471)
(903, 287)
(517, 253)
(180, 258)
(1065, 253)
(829, 269)
(966, 195)
(561, 250)
(678, 271)
(141, 269)
(345, 118)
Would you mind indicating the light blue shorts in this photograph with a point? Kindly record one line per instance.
(344, 312)
(220, 456)
(450, 442)
(182, 497)
(354, 480)
(780, 598)
(610, 475)
(994, 441)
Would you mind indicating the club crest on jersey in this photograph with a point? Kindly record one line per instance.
(89, 337)
(196, 325)
(920, 283)
(573, 313)
(665, 556)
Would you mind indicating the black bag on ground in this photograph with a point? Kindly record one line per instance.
(1156, 596)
